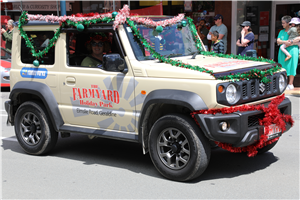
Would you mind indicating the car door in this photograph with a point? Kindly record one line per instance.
(94, 97)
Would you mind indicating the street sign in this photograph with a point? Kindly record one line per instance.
(8, 6)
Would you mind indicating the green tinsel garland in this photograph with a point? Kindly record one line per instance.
(194, 33)
(29, 43)
(255, 73)
(161, 58)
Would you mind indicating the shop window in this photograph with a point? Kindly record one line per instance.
(40, 40)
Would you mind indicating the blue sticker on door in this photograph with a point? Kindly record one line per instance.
(28, 72)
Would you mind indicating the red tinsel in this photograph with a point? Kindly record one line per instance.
(85, 14)
(97, 37)
(272, 116)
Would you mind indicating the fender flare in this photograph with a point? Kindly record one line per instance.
(176, 97)
(45, 94)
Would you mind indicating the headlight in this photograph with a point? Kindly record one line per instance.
(231, 94)
(282, 83)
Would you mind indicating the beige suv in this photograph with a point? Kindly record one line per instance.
(164, 104)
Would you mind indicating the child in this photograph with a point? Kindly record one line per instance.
(218, 45)
(293, 32)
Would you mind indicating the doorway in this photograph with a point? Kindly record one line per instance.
(281, 9)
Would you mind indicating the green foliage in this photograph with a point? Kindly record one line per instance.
(38, 53)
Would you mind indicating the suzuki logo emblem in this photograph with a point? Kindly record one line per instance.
(262, 88)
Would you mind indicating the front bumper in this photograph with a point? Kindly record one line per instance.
(244, 127)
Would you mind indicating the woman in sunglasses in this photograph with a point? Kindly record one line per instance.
(246, 41)
(95, 46)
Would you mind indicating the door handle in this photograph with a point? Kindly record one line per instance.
(70, 81)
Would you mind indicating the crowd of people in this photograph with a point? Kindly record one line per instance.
(219, 43)
(288, 39)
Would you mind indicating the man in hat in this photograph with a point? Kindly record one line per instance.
(246, 41)
(221, 28)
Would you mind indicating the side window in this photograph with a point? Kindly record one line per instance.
(87, 49)
(40, 41)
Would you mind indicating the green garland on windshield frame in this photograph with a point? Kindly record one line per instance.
(254, 73)
(161, 58)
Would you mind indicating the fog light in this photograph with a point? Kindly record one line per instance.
(224, 126)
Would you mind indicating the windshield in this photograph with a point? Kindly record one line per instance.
(171, 42)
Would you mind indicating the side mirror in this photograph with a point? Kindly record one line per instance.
(114, 63)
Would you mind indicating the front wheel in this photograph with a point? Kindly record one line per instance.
(34, 129)
(177, 148)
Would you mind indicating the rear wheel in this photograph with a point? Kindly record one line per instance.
(177, 148)
(34, 129)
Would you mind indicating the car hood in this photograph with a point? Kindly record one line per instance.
(219, 66)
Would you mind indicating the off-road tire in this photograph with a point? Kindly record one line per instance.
(33, 128)
(189, 151)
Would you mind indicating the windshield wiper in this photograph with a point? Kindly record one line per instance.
(173, 55)
(194, 54)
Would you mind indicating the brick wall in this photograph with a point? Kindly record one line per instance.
(224, 8)
(77, 7)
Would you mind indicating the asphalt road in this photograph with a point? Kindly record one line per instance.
(80, 168)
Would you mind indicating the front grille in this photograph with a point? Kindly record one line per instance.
(253, 91)
(257, 91)
(274, 83)
(268, 87)
(254, 119)
(244, 90)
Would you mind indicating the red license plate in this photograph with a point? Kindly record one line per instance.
(274, 131)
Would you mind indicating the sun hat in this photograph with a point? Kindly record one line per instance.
(101, 37)
(246, 23)
(295, 20)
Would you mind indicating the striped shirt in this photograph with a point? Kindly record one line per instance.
(218, 47)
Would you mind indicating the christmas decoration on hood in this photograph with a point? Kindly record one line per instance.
(80, 21)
